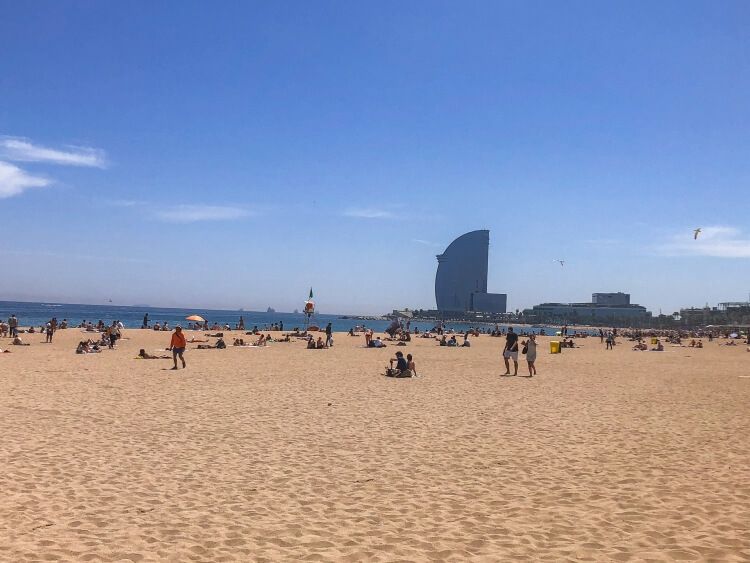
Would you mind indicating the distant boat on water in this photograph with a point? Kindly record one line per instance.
(270, 310)
(296, 312)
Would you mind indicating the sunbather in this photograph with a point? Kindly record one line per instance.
(143, 355)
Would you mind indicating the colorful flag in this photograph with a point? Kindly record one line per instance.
(311, 294)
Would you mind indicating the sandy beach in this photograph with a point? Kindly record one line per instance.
(288, 454)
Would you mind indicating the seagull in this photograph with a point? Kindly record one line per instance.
(696, 232)
(562, 262)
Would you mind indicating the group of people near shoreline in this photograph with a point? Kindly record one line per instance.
(400, 366)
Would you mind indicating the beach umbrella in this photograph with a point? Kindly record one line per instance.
(196, 318)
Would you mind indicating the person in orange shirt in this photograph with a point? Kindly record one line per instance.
(178, 345)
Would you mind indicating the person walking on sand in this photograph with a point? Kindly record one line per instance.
(511, 351)
(529, 348)
(178, 345)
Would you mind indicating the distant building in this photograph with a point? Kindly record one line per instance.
(604, 308)
(461, 279)
(611, 299)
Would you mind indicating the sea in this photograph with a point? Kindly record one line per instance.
(37, 314)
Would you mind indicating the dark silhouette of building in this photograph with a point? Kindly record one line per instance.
(461, 279)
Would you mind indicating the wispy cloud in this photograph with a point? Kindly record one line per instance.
(426, 242)
(68, 256)
(717, 241)
(369, 213)
(22, 150)
(127, 203)
(14, 181)
(194, 213)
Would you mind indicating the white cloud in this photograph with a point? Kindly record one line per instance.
(369, 213)
(21, 150)
(67, 256)
(193, 213)
(717, 241)
(426, 242)
(14, 181)
(127, 203)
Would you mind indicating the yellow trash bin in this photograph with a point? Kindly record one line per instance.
(654, 340)
(554, 347)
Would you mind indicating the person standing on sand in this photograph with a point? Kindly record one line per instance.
(329, 335)
(529, 348)
(13, 326)
(178, 345)
(511, 351)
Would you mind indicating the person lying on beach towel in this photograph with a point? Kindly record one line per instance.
(87, 347)
(401, 369)
(18, 342)
(220, 345)
(217, 335)
(143, 355)
(194, 340)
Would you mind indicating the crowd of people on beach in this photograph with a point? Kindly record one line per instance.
(398, 333)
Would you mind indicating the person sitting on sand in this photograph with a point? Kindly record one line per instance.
(157, 326)
(310, 342)
(659, 347)
(401, 369)
(377, 343)
(18, 342)
(239, 342)
(410, 365)
(443, 342)
(641, 346)
(320, 345)
(453, 342)
(261, 340)
(466, 343)
(178, 345)
(699, 344)
(143, 355)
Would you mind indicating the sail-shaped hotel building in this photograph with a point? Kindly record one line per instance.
(461, 279)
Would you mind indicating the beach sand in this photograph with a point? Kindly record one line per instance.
(287, 454)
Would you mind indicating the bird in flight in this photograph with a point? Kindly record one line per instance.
(696, 232)
(562, 262)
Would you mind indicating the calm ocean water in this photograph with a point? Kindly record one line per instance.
(132, 317)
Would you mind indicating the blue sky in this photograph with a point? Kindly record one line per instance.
(234, 154)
